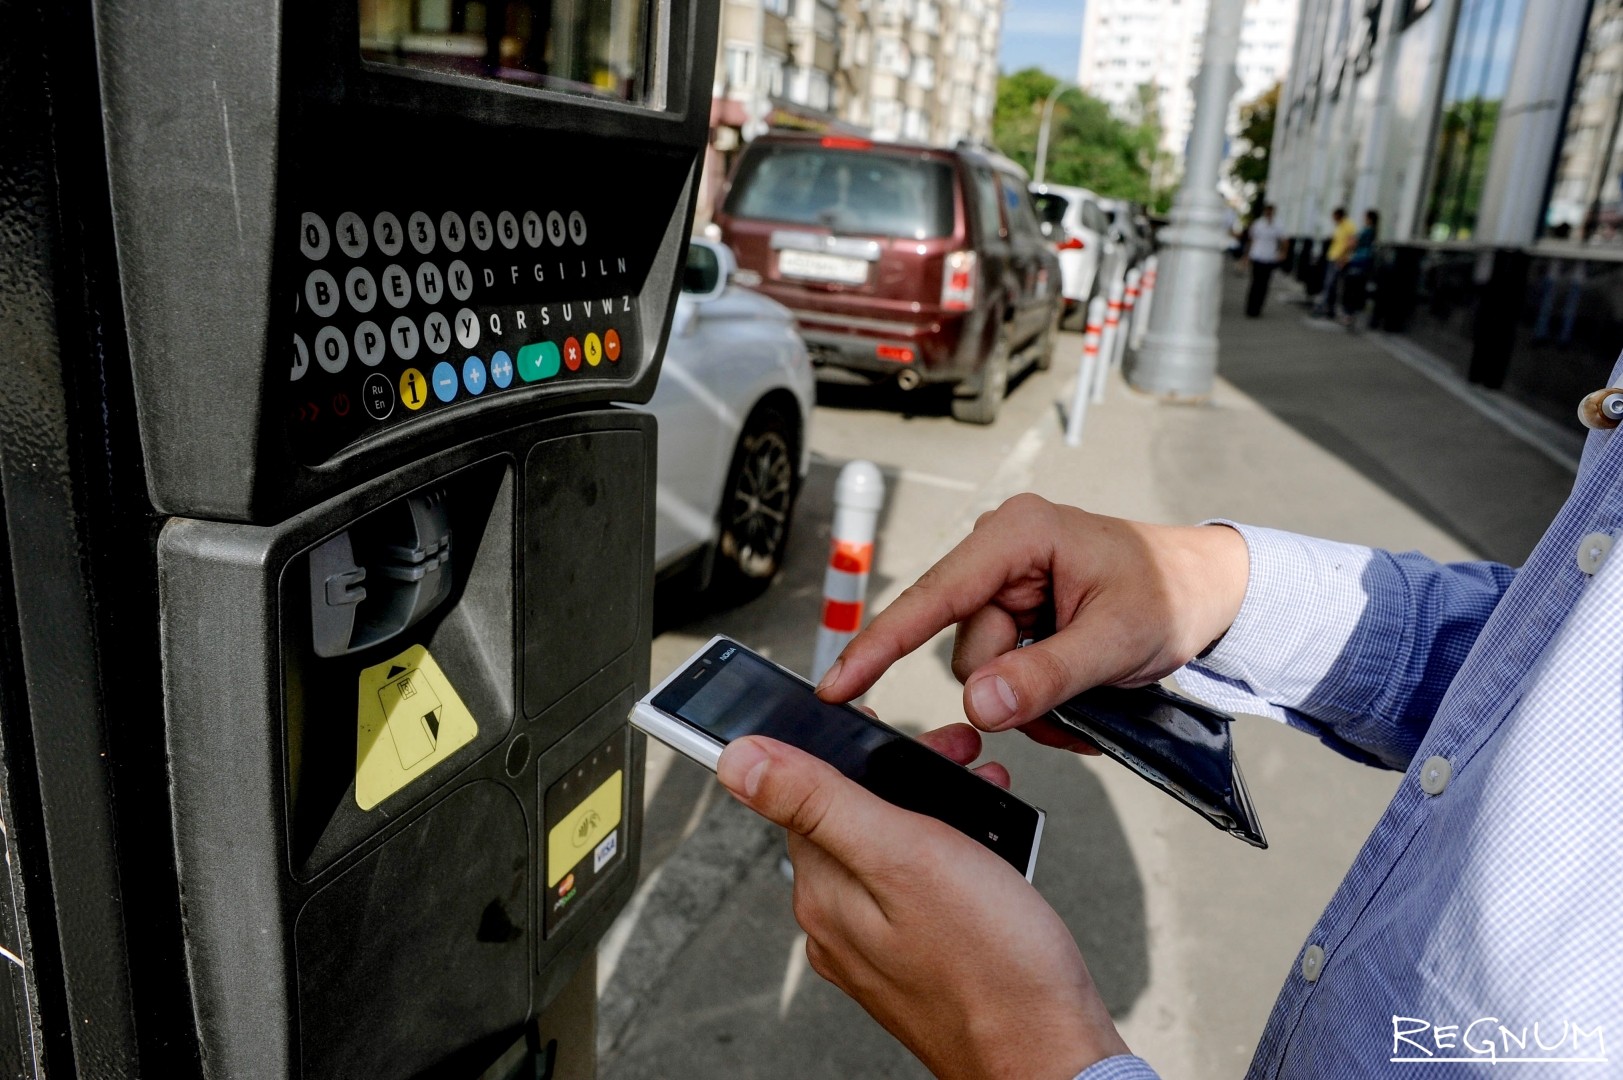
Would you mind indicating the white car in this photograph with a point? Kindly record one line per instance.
(734, 403)
(1076, 223)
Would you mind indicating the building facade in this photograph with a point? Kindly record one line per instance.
(1488, 134)
(1138, 54)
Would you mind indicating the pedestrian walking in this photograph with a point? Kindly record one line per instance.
(1360, 267)
(1264, 256)
(1342, 234)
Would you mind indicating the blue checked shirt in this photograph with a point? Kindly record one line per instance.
(1480, 930)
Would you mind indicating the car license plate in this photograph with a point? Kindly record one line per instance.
(815, 266)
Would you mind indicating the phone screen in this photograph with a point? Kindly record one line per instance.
(731, 692)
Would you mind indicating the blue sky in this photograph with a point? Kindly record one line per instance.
(1042, 33)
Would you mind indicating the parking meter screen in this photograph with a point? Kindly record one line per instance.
(596, 47)
(731, 692)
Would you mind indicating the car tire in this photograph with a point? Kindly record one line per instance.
(1049, 341)
(756, 505)
(983, 407)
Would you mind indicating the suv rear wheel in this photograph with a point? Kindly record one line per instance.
(983, 407)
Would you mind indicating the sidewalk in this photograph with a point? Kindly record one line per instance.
(1324, 433)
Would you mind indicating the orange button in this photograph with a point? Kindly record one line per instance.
(572, 354)
(611, 345)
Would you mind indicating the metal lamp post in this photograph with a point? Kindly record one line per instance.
(1042, 132)
(1179, 358)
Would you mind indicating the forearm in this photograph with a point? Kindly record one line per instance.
(1352, 643)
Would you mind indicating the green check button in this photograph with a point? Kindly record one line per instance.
(538, 361)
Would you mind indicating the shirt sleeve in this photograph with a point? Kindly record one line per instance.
(1353, 644)
(1120, 1067)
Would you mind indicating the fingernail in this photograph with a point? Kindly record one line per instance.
(831, 676)
(993, 699)
(741, 768)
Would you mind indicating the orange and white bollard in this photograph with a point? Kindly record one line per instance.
(1085, 374)
(1146, 295)
(1129, 302)
(1107, 340)
(858, 496)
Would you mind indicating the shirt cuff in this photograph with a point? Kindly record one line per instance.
(1120, 1067)
(1305, 600)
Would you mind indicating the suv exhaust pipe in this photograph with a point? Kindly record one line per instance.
(908, 379)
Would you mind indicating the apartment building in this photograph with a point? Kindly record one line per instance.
(922, 70)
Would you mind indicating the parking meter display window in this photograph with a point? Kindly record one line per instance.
(450, 293)
(587, 544)
(585, 840)
(421, 948)
(593, 47)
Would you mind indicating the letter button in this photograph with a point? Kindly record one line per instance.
(1592, 551)
(1435, 774)
(321, 293)
(1312, 963)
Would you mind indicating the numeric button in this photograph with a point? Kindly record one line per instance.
(451, 234)
(420, 231)
(351, 234)
(507, 229)
(332, 351)
(321, 293)
(360, 289)
(430, 286)
(533, 233)
(313, 238)
(388, 235)
(577, 227)
(396, 285)
(556, 230)
(480, 230)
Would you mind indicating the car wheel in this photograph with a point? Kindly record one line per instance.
(983, 407)
(1049, 341)
(755, 505)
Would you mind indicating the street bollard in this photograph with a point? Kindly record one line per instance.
(1084, 374)
(1129, 301)
(858, 495)
(1146, 295)
(1107, 340)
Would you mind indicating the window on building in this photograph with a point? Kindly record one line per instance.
(1586, 193)
(740, 76)
(1478, 71)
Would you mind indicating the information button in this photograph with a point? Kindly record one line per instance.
(413, 389)
(538, 361)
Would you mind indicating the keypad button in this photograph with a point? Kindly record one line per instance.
(404, 339)
(473, 375)
(501, 370)
(396, 285)
(572, 354)
(430, 286)
(533, 231)
(413, 389)
(332, 351)
(437, 332)
(451, 234)
(351, 234)
(321, 293)
(577, 227)
(459, 279)
(313, 238)
(538, 361)
(420, 231)
(377, 396)
(611, 346)
(593, 347)
(360, 289)
(467, 328)
(480, 231)
(369, 343)
(507, 229)
(387, 233)
(444, 381)
(301, 358)
(556, 230)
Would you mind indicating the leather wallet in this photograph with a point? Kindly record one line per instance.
(1181, 746)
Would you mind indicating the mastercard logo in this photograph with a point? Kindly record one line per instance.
(566, 884)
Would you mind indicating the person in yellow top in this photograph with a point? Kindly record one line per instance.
(1335, 260)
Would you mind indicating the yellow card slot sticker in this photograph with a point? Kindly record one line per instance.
(573, 838)
(408, 719)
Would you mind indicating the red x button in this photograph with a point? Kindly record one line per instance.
(572, 354)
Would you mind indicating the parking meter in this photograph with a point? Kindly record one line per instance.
(329, 574)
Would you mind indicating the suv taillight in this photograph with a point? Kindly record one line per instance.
(958, 281)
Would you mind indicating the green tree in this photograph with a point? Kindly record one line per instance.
(1087, 145)
(1249, 169)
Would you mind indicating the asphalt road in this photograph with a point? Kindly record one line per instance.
(1187, 932)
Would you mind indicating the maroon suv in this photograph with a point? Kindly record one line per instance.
(913, 263)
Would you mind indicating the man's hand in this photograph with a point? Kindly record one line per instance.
(941, 941)
(1127, 604)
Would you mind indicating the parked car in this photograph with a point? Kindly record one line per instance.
(1073, 220)
(903, 263)
(1130, 227)
(734, 403)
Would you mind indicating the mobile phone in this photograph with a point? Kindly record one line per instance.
(724, 692)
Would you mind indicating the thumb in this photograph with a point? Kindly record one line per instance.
(805, 795)
(1021, 685)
